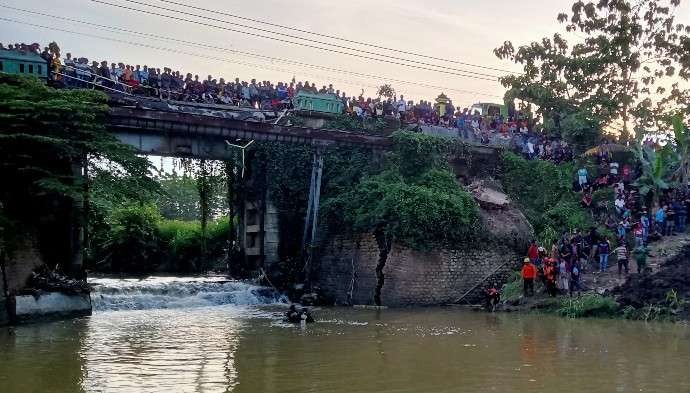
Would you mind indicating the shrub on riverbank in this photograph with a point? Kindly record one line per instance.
(415, 201)
(588, 305)
(137, 240)
(544, 193)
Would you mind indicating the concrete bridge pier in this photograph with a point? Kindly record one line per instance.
(309, 235)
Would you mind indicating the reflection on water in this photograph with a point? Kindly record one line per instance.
(233, 348)
(155, 350)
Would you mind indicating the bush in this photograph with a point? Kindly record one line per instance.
(588, 305)
(512, 289)
(415, 201)
(544, 192)
(132, 240)
(181, 243)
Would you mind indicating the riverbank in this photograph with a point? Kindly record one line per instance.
(660, 293)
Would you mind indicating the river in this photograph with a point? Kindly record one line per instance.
(200, 335)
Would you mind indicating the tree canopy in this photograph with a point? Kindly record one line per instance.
(415, 200)
(623, 65)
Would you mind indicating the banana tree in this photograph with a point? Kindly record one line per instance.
(655, 176)
(682, 150)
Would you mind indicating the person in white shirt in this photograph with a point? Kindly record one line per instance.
(530, 149)
(401, 106)
(613, 169)
(620, 204)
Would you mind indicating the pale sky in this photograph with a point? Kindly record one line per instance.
(460, 30)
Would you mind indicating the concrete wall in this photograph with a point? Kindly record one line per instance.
(411, 277)
(21, 263)
(50, 305)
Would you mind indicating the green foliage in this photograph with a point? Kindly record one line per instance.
(621, 68)
(179, 197)
(415, 200)
(568, 215)
(666, 311)
(44, 131)
(512, 289)
(656, 169)
(352, 123)
(181, 243)
(46, 137)
(132, 242)
(681, 148)
(417, 153)
(606, 194)
(543, 191)
(136, 238)
(386, 91)
(588, 305)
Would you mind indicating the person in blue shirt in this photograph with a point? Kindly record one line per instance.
(582, 176)
(659, 218)
(603, 255)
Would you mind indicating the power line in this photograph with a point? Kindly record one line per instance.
(328, 44)
(197, 55)
(332, 37)
(195, 44)
(494, 79)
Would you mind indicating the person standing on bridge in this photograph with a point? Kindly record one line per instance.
(401, 106)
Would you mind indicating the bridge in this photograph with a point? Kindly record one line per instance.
(201, 131)
(182, 134)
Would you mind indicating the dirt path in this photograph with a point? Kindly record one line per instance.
(669, 248)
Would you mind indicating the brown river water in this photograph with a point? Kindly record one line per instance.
(197, 347)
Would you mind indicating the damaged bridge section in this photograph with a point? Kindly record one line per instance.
(197, 135)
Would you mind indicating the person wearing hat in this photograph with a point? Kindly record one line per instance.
(529, 272)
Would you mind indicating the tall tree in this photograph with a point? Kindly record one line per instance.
(44, 135)
(623, 68)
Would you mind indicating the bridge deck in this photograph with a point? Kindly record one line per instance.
(171, 133)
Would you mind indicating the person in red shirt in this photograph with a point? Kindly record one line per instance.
(529, 273)
(533, 251)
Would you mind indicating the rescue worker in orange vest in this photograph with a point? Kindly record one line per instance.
(550, 276)
(529, 273)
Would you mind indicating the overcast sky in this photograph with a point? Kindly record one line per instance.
(464, 31)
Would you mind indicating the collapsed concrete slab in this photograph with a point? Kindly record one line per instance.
(48, 306)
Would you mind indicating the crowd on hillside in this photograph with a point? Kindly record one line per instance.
(628, 226)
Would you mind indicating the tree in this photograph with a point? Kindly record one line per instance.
(179, 197)
(655, 172)
(47, 138)
(386, 91)
(621, 68)
(682, 149)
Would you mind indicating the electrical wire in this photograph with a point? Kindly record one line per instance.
(195, 44)
(334, 37)
(492, 79)
(254, 28)
(176, 51)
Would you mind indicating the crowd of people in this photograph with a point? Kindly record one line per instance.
(165, 83)
(560, 267)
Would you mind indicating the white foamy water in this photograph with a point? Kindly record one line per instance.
(112, 294)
